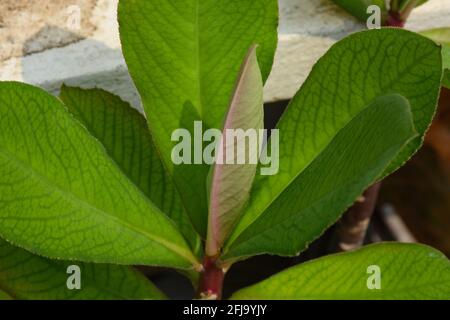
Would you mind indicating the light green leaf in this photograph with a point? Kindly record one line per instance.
(315, 199)
(358, 8)
(184, 57)
(407, 271)
(442, 36)
(123, 132)
(348, 78)
(61, 196)
(24, 275)
(231, 182)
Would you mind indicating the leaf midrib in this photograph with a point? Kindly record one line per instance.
(83, 203)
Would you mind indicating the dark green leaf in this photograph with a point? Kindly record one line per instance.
(314, 200)
(352, 74)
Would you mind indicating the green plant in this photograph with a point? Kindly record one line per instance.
(87, 178)
(352, 227)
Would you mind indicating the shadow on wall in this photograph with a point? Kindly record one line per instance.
(49, 37)
(85, 63)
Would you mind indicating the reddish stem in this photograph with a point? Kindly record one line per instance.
(395, 20)
(211, 280)
(398, 18)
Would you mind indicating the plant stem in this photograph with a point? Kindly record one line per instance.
(211, 280)
(398, 16)
(394, 20)
(352, 228)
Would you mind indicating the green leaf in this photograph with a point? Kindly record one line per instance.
(446, 64)
(184, 57)
(347, 79)
(439, 35)
(4, 296)
(358, 8)
(317, 197)
(61, 196)
(408, 271)
(442, 36)
(24, 275)
(231, 182)
(123, 132)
